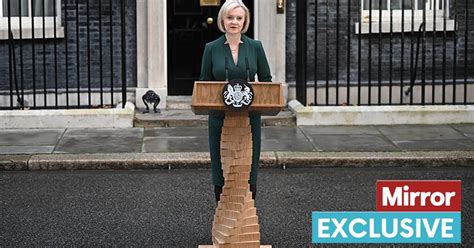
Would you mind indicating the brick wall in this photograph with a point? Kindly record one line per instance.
(73, 67)
(329, 32)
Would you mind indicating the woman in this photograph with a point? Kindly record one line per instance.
(237, 52)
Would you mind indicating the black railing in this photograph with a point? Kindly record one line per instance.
(421, 58)
(65, 54)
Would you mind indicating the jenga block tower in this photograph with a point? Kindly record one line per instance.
(236, 222)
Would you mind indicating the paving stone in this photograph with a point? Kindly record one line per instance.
(466, 129)
(176, 132)
(175, 144)
(353, 142)
(299, 145)
(25, 149)
(437, 145)
(285, 139)
(310, 130)
(107, 140)
(282, 133)
(419, 132)
(30, 137)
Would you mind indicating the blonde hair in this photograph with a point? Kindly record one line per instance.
(228, 6)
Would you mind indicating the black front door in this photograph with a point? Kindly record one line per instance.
(190, 27)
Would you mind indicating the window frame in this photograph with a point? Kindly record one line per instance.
(26, 30)
(432, 24)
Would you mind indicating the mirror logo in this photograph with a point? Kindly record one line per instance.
(413, 211)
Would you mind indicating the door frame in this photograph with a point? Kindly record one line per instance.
(152, 47)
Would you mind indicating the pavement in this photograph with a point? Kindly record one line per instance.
(173, 140)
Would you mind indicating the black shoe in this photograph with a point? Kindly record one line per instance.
(217, 192)
(253, 189)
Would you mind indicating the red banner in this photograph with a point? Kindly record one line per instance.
(419, 195)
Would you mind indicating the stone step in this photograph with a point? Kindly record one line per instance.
(178, 102)
(186, 118)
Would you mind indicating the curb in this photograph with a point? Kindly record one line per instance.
(201, 160)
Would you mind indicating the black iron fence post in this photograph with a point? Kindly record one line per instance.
(301, 51)
(124, 54)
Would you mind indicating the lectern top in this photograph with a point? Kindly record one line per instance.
(207, 98)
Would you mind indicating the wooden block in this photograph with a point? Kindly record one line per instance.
(244, 187)
(246, 237)
(237, 206)
(232, 175)
(236, 131)
(239, 245)
(224, 229)
(234, 223)
(247, 213)
(236, 154)
(237, 230)
(235, 191)
(250, 228)
(223, 232)
(238, 176)
(232, 137)
(236, 122)
(235, 169)
(239, 168)
(236, 199)
(236, 146)
(235, 175)
(249, 221)
(220, 237)
(217, 242)
(231, 170)
(225, 221)
(236, 215)
(236, 184)
(236, 138)
(223, 237)
(237, 161)
(230, 214)
(237, 151)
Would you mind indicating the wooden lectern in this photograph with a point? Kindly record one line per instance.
(236, 221)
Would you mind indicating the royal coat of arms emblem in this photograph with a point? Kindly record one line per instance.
(238, 94)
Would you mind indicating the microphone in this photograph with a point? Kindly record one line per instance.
(226, 69)
(248, 69)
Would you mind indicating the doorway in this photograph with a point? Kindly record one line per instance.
(190, 27)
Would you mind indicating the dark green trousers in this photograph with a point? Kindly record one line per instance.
(215, 129)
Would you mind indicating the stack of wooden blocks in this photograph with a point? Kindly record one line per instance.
(236, 221)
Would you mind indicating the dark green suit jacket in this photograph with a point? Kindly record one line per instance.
(216, 52)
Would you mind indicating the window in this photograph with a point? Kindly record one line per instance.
(24, 11)
(435, 12)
